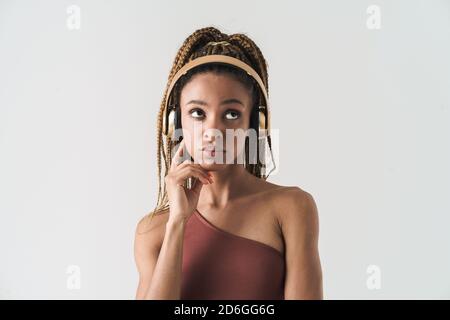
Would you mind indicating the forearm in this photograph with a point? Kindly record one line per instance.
(166, 278)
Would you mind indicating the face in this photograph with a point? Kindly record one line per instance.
(210, 104)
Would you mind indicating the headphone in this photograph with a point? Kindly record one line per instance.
(260, 116)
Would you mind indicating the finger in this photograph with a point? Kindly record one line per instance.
(183, 164)
(188, 172)
(190, 163)
(204, 173)
(178, 155)
(197, 187)
(198, 168)
(191, 172)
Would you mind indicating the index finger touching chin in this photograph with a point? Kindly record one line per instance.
(178, 154)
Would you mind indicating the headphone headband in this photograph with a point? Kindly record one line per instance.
(221, 59)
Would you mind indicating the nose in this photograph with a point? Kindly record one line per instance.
(213, 128)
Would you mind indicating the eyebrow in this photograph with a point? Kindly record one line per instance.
(227, 101)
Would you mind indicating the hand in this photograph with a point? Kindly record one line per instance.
(183, 201)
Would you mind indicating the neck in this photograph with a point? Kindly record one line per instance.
(228, 183)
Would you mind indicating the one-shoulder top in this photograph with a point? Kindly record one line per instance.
(219, 265)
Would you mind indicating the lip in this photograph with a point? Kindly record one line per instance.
(210, 148)
(211, 153)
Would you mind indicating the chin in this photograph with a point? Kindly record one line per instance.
(211, 166)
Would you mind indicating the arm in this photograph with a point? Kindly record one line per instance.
(146, 251)
(159, 266)
(300, 226)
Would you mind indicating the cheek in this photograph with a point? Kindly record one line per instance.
(239, 144)
(191, 135)
(239, 139)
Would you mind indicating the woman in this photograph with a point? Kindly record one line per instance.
(220, 230)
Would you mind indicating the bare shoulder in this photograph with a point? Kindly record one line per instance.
(294, 195)
(293, 204)
(281, 193)
(287, 203)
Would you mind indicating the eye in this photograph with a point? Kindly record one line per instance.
(230, 114)
(234, 114)
(194, 111)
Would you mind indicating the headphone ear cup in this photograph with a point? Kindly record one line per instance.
(175, 124)
(254, 119)
(251, 153)
(170, 124)
(177, 119)
(262, 122)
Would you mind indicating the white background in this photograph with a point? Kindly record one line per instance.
(363, 114)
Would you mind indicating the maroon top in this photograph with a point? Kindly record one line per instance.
(220, 265)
